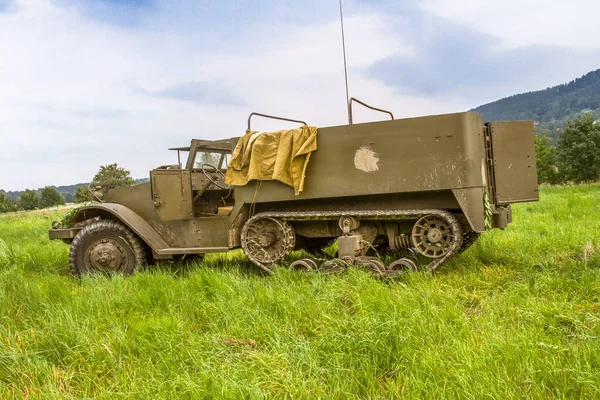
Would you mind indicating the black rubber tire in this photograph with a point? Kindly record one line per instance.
(107, 229)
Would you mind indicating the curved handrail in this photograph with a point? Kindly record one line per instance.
(272, 117)
(366, 105)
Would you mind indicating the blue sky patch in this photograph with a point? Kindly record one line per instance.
(6, 5)
(123, 13)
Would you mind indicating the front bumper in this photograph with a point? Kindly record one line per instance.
(63, 233)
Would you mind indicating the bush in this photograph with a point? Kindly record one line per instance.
(578, 152)
(5, 204)
(29, 200)
(111, 177)
(51, 197)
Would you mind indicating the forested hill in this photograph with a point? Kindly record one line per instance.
(550, 106)
(68, 192)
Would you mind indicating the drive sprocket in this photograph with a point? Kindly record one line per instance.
(267, 240)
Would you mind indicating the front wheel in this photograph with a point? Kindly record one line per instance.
(106, 246)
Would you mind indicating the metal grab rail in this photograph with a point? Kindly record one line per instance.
(350, 119)
(272, 117)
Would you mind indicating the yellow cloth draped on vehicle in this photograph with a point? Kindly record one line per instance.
(281, 155)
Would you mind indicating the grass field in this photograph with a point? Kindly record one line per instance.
(516, 316)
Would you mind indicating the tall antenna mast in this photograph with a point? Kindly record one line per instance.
(345, 65)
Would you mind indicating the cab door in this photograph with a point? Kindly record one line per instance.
(172, 194)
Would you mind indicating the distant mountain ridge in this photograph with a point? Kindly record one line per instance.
(550, 107)
(67, 191)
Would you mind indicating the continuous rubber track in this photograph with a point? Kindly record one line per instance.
(369, 215)
(468, 240)
(110, 228)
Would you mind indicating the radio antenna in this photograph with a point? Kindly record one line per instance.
(345, 65)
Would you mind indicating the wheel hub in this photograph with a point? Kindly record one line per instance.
(106, 255)
(434, 235)
(104, 258)
(267, 240)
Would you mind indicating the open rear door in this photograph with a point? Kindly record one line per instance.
(515, 172)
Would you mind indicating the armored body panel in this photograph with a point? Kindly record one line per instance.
(440, 161)
(410, 155)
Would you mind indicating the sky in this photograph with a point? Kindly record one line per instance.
(85, 83)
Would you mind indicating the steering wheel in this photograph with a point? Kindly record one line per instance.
(219, 181)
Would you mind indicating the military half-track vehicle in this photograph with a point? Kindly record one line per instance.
(427, 186)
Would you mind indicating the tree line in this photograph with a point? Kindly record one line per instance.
(576, 156)
(109, 177)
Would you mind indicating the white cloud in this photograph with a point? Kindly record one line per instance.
(521, 23)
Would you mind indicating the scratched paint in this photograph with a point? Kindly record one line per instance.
(366, 160)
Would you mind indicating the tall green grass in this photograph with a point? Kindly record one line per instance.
(516, 316)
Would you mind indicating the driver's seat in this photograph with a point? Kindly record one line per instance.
(224, 210)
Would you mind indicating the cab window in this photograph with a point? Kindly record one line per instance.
(207, 157)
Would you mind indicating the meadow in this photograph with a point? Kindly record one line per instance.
(515, 316)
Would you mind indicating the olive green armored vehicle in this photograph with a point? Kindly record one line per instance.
(422, 188)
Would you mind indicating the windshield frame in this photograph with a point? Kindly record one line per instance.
(218, 147)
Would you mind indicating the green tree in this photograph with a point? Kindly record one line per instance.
(29, 200)
(545, 131)
(82, 194)
(545, 155)
(50, 197)
(5, 204)
(69, 197)
(579, 150)
(111, 177)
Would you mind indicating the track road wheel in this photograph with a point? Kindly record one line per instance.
(333, 266)
(400, 267)
(370, 264)
(376, 268)
(304, 264)
(405, 264)
(106, 246)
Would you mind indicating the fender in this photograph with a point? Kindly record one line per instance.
(471, 204)
(128, 217)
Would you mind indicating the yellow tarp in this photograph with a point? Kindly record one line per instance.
(281, 155)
